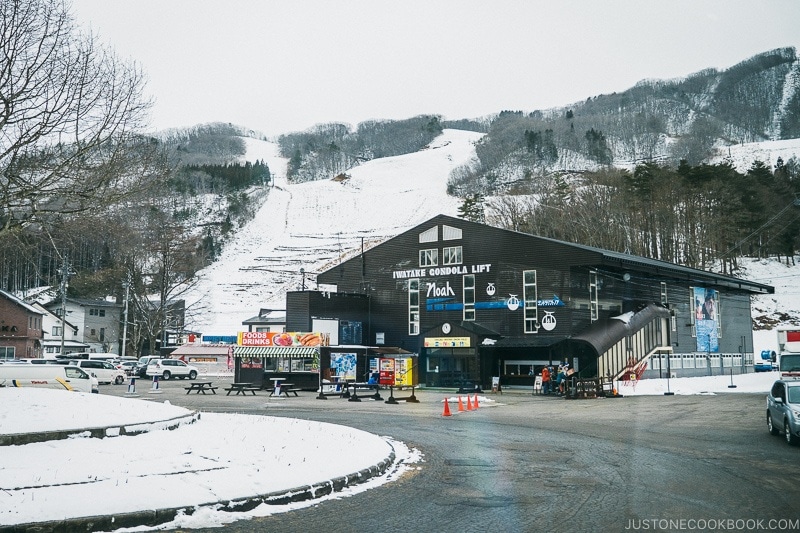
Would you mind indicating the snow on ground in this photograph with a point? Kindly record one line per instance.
(314, 225)
(742, 156)
(219, 457)
(746, 383)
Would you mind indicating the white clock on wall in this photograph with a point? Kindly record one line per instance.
(445, 328)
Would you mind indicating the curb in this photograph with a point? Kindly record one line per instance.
(161, 516)
(18, 439)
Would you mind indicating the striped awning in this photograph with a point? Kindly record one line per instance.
(275, 351)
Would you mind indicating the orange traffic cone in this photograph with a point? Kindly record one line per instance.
(460, 404)
(469, 404)
(446, 408)
(475, 403)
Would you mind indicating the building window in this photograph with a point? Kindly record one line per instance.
(429, 258)
(519, 368)
(530, 297)
(92, 332)
(431, 235)
(469, 296)
(57, 331)
(449, 233)
(594, 299)
(8, 352)
(452, 255)
(413, 306)
(102, 334)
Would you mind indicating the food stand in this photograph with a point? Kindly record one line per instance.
(294, 356)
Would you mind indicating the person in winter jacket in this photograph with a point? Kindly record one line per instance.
(545, 381)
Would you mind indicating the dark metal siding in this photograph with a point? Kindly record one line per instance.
(563, 270)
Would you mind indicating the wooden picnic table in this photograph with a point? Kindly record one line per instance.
(201, 386)
(242, 388)
(282, 387)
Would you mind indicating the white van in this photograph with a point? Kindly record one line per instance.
(104, 371)
(63, 377)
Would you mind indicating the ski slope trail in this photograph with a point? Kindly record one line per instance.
(315, 225)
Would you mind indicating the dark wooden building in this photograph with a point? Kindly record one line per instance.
(476, 302)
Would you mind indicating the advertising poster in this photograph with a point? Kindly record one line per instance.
(344, 365)
(705, 319)
(292, 338)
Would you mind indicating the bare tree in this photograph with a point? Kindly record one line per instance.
(68, 112)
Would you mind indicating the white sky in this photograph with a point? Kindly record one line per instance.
(279, 66)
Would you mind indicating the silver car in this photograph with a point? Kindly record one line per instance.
(783, 409)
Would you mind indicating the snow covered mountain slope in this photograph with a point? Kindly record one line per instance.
(742, 156)
(314, 225)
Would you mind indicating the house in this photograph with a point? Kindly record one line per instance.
(20, 328)
(54, 342)
(98, 323)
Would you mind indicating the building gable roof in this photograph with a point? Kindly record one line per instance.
(17, 301)
(597, 257)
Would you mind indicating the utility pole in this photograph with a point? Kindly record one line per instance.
(64, 284)
(125, 285)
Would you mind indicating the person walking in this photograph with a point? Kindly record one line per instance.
(545, 381)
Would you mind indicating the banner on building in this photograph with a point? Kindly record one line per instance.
(287, 339)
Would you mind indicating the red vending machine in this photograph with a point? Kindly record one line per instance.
(386, 372)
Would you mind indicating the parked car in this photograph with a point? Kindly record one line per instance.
(141, 365)
(129, 367)
(169, 368)
(104, 371)
(783, 409)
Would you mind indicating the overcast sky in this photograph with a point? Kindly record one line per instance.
(279, 66)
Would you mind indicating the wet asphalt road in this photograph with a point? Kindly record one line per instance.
(532, 463)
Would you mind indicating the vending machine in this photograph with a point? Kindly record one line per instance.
(386, 367)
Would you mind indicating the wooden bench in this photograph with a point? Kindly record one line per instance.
(200, 386)
(353, 396)
(286, 389)
(242, 388)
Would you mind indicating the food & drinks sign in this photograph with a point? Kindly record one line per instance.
(271, 338)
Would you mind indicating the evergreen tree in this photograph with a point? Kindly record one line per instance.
(472, 208)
